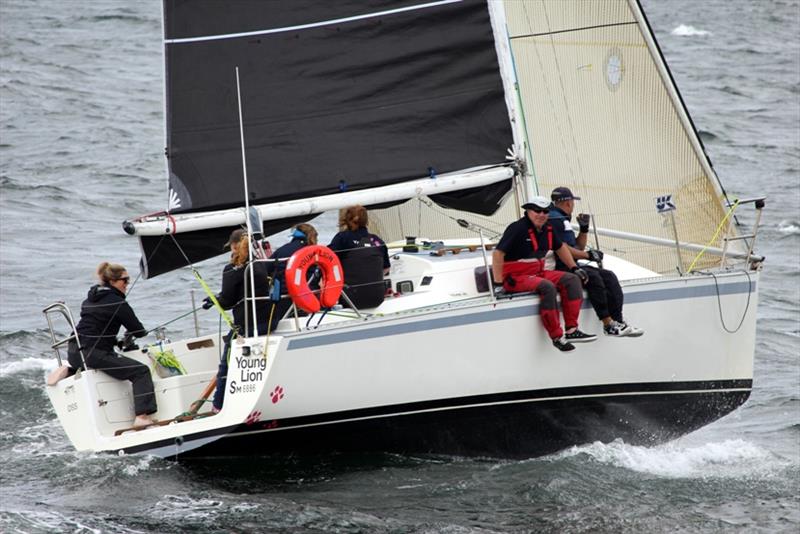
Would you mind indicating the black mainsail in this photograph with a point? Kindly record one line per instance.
(341, 95)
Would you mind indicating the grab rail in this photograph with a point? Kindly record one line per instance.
(759, 205)
(292, 309)
(61, 308)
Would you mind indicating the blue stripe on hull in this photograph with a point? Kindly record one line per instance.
(503, 313)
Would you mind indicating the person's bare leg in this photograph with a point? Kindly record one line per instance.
(143, 421)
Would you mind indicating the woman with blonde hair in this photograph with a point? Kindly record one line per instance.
(235, 285)
(103, 312)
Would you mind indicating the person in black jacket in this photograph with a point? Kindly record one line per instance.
(364, 257)
(235, 280)
(102, 313)
(302, 235)
(605, 292)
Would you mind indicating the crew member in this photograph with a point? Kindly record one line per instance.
(603, 287)
(235, 282)
(522, 261)
(103, 312)
(364, 257)
(302, 235)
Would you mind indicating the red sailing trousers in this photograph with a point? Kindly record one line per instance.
(520, 276)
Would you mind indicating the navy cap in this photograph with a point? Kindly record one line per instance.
(560, 194)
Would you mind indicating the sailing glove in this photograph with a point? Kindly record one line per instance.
(207, 303)
(595, 255)
(497, 288)
(583, 222)
(580, 273)
(126, 343)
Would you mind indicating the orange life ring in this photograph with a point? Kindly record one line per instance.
(332, 278)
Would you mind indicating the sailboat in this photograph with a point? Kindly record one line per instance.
(441, 117)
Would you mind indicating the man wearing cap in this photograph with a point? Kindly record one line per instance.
(603, 287)
(523, 261)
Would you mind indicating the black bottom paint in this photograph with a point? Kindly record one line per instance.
(514, 430)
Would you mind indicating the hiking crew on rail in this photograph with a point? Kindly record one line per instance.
(523, 261)
(603, 287)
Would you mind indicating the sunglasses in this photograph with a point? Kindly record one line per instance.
(126, 279)
(537, 209)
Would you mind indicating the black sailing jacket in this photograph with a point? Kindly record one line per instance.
(232, 294)
(102, 313)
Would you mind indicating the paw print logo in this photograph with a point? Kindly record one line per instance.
(253, 418)
(277, 394)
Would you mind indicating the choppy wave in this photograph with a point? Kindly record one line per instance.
(731, 458)
(27, 364)
(789, 227)
(51, 521)
(687, 31)
(707, 136)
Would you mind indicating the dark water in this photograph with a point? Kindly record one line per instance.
(80, 150)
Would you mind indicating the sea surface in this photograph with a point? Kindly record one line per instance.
(81, 148)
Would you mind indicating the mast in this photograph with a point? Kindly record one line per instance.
(247, 208)
(516, 115)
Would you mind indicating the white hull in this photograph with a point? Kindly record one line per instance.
(451, 372)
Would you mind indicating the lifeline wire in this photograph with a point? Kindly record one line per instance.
(719, 301)
(714, 236)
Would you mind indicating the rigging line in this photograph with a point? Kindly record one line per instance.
(566, 106)
(714, 237)
(162, 325)
(582, 28)
(310, 25)
(683, 105)
(719, 301)
(435, 208)
(202, 282)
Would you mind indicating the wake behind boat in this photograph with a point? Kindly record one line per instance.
(443, 117)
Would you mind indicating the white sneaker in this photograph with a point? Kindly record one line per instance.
(57, 375)
(627, 330)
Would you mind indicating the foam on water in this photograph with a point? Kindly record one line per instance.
(731, 458)
(688, 31)
(27, 364)
(789, 227)
(46, 521)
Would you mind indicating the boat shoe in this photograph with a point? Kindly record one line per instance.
(580, 337)
(563, 345)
